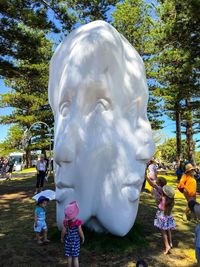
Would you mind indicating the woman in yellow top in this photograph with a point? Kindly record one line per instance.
(188, 184)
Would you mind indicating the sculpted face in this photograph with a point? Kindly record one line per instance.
(98, 93)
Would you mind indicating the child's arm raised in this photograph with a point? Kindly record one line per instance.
(80, 231)
(63, 233)
(153, 184)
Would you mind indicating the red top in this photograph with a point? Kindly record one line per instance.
(77, 222)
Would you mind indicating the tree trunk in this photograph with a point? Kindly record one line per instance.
(28, 158)
(178, 133)
(189, 132)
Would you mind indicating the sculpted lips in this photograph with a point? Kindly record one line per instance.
(131, 192)
(131, 188)
(63, 188)
(62, 194)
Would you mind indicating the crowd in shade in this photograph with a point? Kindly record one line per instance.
(6, 167)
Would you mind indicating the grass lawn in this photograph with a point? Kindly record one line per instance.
(18, 247)
(32, 169)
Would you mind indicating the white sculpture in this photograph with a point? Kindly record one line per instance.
(98, 93)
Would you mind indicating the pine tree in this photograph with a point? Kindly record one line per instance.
(132, 19)
(176, 33)
(25, 52)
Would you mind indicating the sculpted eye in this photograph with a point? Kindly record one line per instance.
(102, 104)
(64, 108)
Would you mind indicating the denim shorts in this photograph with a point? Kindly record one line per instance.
(41, 225)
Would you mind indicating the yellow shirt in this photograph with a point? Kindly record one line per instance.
(189, 183)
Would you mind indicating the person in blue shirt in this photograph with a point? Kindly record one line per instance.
(40, 225)
(180, 170)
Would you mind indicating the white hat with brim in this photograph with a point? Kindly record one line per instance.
(169, 191)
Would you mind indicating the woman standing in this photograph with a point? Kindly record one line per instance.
(41, 168)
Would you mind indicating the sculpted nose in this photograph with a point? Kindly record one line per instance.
(145, 151)
(145, 143)
(65, 146)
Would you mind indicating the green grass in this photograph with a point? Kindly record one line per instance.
(143, 241)
(27, 170)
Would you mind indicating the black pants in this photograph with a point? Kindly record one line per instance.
(40, 179)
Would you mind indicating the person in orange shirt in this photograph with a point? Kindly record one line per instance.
(188, 185)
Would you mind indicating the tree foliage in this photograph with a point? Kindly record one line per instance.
(167, 151)
(133, 20)
(166, 35)
(176, 63)
(12, 142)
(26, 47)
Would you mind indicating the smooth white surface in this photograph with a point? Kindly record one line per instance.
(50, 194)
(98, 93)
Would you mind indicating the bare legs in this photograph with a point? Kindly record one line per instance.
(169, 234)
(72, 260)
(167, 239)
(44, 237)
(76, 262)
(38, 238)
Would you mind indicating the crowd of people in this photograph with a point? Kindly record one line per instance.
(164, 196)
(6, 167)
(72, 234)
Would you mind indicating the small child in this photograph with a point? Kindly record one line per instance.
(164, 220)
(195, 207)
(40, 225)
(72, 232)
(157, 187)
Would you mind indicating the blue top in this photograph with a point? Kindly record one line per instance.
(41, 213)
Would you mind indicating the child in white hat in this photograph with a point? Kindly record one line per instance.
(164, 219)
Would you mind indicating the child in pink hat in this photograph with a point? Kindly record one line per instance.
(72, 233)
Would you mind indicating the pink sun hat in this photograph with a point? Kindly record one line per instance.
(71, 211)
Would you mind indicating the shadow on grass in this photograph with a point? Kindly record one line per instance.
(143, 241)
